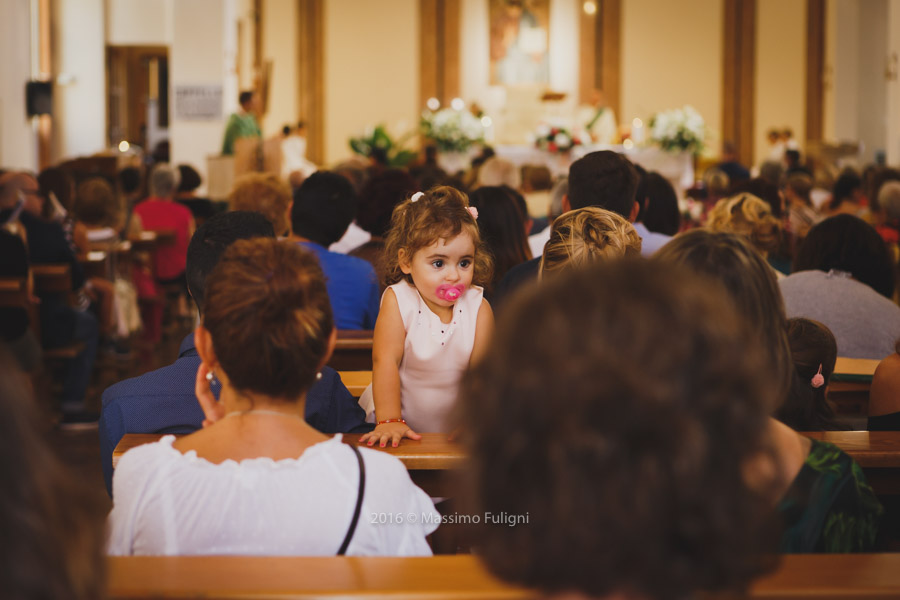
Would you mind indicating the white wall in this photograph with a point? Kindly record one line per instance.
(280, 46)
(371, 70)
(845, 75)
(17, 139)
(206, 59)
(672, 56)
(79, 119)
(893, 94)
(873, 27)
(139, 22)
(780, 79)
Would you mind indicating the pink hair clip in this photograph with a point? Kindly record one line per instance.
(818, 379)
(473, 211)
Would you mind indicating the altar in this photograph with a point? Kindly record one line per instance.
(678, 169)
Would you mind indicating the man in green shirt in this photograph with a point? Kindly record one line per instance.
(241, 124)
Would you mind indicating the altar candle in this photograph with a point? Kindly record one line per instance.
(637, 130)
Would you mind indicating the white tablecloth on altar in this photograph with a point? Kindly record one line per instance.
(677, 168)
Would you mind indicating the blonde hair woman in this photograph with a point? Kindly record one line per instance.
(749, 217)
(588, 235)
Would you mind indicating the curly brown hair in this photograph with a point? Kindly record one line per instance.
(585, 235)
(619, 421)
(267, 310)
(266, 194)
(440, 214)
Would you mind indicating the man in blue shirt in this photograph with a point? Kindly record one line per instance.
(163, 401)
(324, 206)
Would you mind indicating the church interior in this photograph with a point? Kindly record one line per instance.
(602, 294)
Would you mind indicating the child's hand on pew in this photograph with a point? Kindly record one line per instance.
(391, 432)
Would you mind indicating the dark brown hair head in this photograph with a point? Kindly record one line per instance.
(813, 347)
(619, 421)
(441, 213)
(268, 312)
(52, 525)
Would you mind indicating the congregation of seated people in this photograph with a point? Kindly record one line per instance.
(632, 371)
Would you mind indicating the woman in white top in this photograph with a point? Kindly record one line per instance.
(257, 479)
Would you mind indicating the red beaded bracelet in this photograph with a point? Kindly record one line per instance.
(392, 421)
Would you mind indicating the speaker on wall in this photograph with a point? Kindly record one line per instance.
(38, 98)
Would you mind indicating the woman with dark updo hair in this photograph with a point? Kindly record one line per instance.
(257, 479)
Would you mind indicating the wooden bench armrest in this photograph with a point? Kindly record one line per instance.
(52, 278)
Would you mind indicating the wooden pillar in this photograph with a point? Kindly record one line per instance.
(815, 69)
(439, 50)
(311, 93)
(739, 101)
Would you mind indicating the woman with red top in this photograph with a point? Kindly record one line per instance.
(161, 213)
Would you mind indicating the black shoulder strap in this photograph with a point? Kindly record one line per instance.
(359, 500)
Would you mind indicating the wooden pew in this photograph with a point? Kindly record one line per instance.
(353, 351)
(430, 459)
(834, 577)
(53, 279)
(356, 381)
(96, 263)
(849, 387)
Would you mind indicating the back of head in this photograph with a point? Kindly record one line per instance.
(889, 199)
(497, 171)
(501, 221)
(763, 189)
(747, 216)
(245, 98)
(189, 178)
(52, 526)
(559, 191)
(847, 183)
(605, 179)
(269, 316)
(212, 239)
(163, 181)
(96, 203)
(441, 213)
(661, 213)
(801, 185)
(847, 243)
(324, 206)
(751, 284)
(266, 194)
(717, 182)
(588, 235)
(380, 195)
(129, 180)
(537, 177)
(617, 489)
(772, 172)
(814, 353)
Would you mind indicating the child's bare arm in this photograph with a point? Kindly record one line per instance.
(484, 331)
(387, 352)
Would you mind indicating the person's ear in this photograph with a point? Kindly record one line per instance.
(332, 342)
(203, 343)
(566, 205)
(403, 260)
(635, 209)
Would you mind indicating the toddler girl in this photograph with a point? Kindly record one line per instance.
(433, 319)
(814, 353)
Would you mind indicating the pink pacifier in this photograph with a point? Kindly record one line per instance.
(451, 293)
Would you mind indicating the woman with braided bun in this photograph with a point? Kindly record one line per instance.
(588, 235)
(257, 479)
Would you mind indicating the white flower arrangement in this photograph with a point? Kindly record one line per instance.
(452, 130)
(678, 130)
(556, 139)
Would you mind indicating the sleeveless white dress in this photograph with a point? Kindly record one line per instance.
(435, 354)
